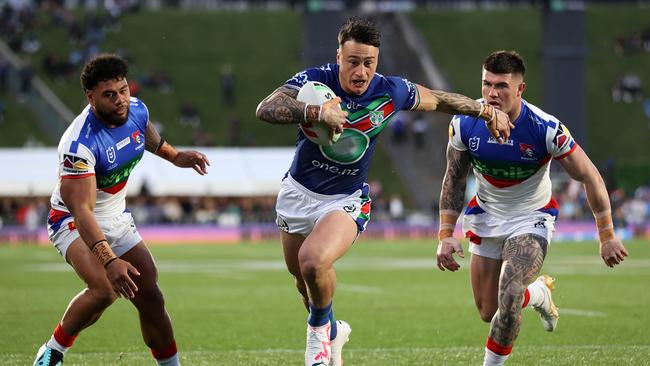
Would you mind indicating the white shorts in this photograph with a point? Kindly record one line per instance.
(298, 208)
(487, 233)
(120, 232)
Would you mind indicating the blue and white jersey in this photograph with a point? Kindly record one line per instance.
(88, 148)
(343, 167)
(513, 178)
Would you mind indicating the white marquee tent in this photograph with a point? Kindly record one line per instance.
(233, 172)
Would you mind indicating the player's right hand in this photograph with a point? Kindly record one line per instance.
(613, 252)
(117, 272)
(446, 248)
(333, 115)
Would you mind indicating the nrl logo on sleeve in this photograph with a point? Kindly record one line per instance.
(75, 164)
(376, 117)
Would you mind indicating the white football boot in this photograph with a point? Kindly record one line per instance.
(318, 350)
(547, 310)
(47, 356)
(343, 331)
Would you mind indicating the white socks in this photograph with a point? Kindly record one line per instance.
(53, 344)
(493, 359)
(172, 361)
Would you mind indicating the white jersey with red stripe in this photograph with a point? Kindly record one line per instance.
(513, 178)
(89, 148)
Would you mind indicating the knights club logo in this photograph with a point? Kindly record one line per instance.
(376, 117)
(527, 151)
(137, 138)
(473, 143)
(110, 154)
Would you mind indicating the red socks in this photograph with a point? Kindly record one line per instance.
(167, 352)
(62, 338)
(497, 348)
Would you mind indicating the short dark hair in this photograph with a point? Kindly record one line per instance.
(101, 68)
(505, 62)
(361, 30)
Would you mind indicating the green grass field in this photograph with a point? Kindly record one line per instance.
(236, 305)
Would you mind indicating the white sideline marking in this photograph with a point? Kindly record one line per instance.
(570, 265)
(578, 312)
(359, 288)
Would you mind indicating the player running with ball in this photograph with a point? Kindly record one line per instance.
(324, 203)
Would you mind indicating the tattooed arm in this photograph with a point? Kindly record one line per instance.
(155, 144)
(452, 197)
(282, 107)
(452, 103)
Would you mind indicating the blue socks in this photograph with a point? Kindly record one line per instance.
(333, 322)
(319, 317)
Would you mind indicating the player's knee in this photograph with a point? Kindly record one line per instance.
(486, 310)
(311, 267)
(486, 314)
(102, 297)
(151, 296)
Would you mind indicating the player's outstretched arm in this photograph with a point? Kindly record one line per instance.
(155, 144)
(452, 103)
(579, 167)
(282, 107)
(79, 195)
(452, 197)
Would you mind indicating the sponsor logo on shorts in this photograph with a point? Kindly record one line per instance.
(540, 224)
(282, 224)
(349, 208)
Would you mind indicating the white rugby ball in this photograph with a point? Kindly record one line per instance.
(317, 93)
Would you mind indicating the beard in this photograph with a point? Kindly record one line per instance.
(112, 118)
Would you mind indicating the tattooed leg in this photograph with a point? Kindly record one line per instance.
(523, 257)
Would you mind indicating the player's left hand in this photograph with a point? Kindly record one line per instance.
(500, 126)
(192, 159)
(446, 248)
(613, 252)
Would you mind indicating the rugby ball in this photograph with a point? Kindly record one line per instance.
(317, 93)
